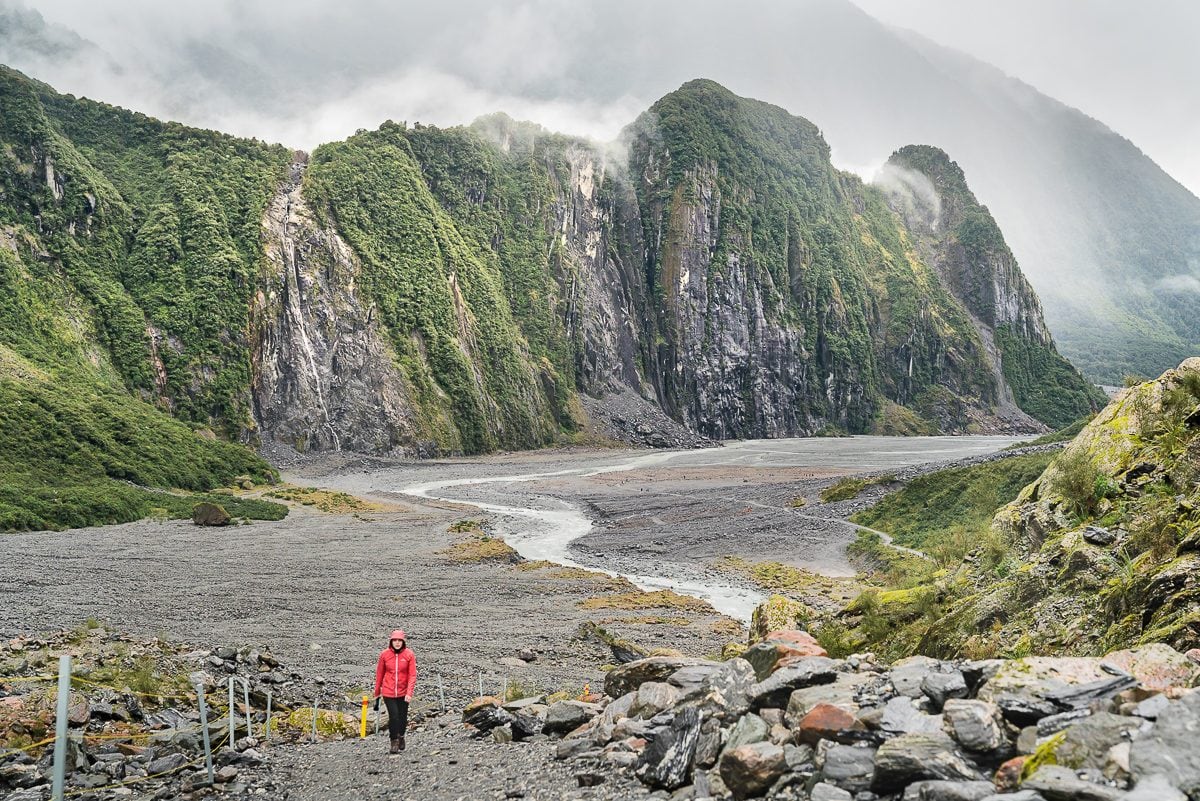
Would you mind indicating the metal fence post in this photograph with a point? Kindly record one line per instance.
(204, 731)
(442, 693)
(314, 733)
(246, 695)
(481, 684)
(60, 727)
(232, 714)
(267, 727)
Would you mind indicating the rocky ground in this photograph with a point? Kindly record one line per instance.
(319, 588)
(784, 721)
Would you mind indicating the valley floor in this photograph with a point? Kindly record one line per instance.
(319, 589)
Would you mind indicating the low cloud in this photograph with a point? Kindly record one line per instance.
(913, 192)
(1178, 285)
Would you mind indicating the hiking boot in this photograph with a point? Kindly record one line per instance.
(400, 743)
(396, 745)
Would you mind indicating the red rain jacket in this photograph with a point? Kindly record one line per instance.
(395, 673)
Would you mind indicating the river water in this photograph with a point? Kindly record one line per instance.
(538, 524)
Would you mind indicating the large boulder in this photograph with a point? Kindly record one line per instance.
(628, 677)
(1056, 783)
(1087, 743)
(566, 716)
(1170, 748)
(776, 689)
(974, 724)
(778, 648)
(669, 757)
(210, 514)
(827, 722)
(722, 692)
(920, 755)
(1157, 667)
(775, 614)
(750, 770)
(653, 697)
(850, 767)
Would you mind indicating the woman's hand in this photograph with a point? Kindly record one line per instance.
(408, 699)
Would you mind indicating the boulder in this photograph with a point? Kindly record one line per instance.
(939, 687)
(780, 648)
(940, 790)
(827, 722)
(901, 716)
(525, 723)
(210, 514)
(669, 756)
(1169, 749)
(1057, 783)
(1157, 667)
(566, 716)
(750, 770)
(841, 693)
(628, 677)
(850, 767)
(776, 689)
(653, 697)
(776, 613)
(824, 791)
(749, 729)
(485, 718)
(908, 674)
(975, 725)
(722, 693)
(1098, 535)
(1087, 743)
(920, 755)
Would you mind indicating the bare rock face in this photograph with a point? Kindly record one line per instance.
(324, 372)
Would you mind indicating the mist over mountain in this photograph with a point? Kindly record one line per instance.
(1110, 242)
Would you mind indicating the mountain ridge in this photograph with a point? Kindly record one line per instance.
(421, 290)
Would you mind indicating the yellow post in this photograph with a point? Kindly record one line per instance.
(362, 724)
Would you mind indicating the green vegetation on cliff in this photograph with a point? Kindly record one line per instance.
(814, 251)
(1101, 551)
(77, 322)
(443, 305)
(959, 237)
(954, 505)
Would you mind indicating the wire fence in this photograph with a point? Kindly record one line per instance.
(341, 708)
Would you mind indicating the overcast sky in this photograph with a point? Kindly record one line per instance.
(1132, 64)
(307, 71)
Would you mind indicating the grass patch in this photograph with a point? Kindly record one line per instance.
(788, 579)
(843, 490)
(480, 548)
(658, 599)
(952, 505)
(325, 500)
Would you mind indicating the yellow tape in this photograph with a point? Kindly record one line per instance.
(130, 691)
(29, 747)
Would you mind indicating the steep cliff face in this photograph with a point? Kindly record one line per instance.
(325, 375)
(958, 237)
(791, 298)
(422, 290)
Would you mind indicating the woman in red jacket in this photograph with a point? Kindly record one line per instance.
(395, 677)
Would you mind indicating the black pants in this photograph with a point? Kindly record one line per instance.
(397, 716)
